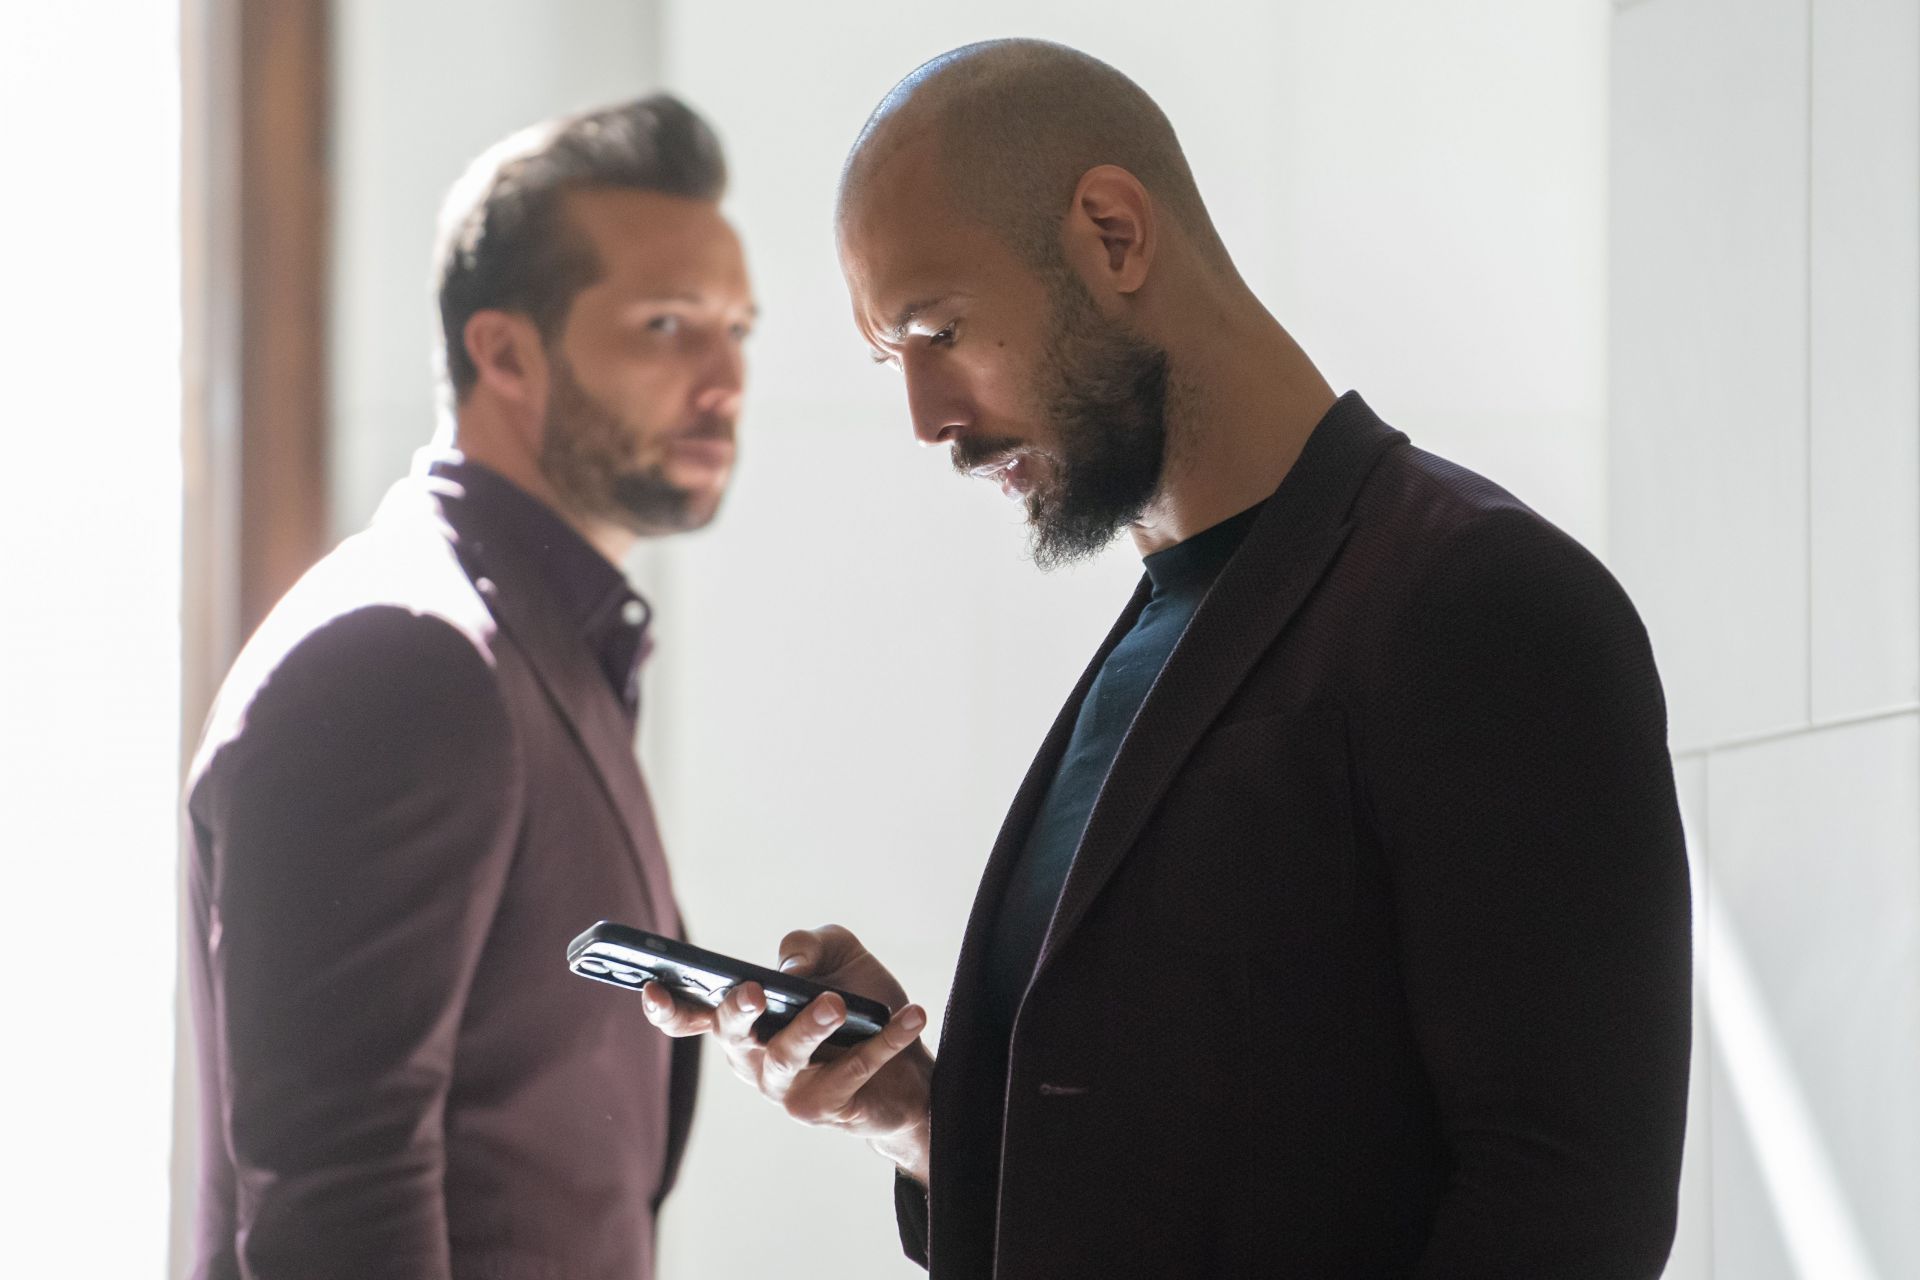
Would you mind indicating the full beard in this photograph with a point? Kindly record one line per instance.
(587, 454)
(1106, 399)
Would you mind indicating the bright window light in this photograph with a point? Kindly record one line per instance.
(89, 631)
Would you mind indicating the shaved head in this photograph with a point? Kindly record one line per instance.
(1013, 125)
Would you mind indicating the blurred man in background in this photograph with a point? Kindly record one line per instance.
(1340, 928)
(419, 780)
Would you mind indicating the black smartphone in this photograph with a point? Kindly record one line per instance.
(631, 958)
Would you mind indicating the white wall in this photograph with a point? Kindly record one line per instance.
(420, 89)
(855, 663)
(89, 632)
(1765, 513)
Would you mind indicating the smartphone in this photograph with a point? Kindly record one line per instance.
(626, 957)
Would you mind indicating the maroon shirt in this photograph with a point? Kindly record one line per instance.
(612, 619)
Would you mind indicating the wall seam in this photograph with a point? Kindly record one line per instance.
(1812, 666)
(1703, 750)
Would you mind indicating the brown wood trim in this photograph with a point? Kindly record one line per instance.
(257, 185)
(255, 192)
(284, 189)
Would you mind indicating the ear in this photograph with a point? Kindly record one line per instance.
(511, 359)
(1111, 229)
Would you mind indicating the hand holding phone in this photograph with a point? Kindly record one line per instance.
(631, 958)
(877, 1090)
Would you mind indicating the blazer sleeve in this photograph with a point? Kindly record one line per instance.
(910, 1213)
(1520, 779)
(360, 828)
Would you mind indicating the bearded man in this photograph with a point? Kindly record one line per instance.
(419, 780)
(1340, 928)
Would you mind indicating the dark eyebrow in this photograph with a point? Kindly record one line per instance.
(687, 297)
(897, 331)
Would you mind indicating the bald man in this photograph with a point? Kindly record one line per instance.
(1340, 927)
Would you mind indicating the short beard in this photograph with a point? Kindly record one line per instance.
(1105, 396)
(587, 455)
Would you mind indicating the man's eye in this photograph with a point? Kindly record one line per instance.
(944, 338)
(664, 324)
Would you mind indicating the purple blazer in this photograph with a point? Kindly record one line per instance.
(416, 786)
(1373, 963)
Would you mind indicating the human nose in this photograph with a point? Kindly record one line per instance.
(722, 381)
(938, 410)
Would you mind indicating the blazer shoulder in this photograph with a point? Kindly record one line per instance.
(1467, 581)
(1449, 529)
(388, 623)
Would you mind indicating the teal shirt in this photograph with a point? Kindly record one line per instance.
(1181, 576)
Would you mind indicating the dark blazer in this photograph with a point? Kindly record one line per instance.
(416, 787)
(1374, 958)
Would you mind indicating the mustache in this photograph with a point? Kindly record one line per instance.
(969, 452)
(720, 430)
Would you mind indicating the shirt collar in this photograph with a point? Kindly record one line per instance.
(1191, 566)
(592, 594)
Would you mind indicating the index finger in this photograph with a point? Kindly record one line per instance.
(791, 1050)
(831, 1089)
(675, 1017)
(733, 1019)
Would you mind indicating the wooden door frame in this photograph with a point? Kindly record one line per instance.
(255, 194)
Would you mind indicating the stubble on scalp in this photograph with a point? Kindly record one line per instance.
(1014, 125)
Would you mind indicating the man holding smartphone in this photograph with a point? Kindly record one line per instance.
(419, 779)
(1341, 927)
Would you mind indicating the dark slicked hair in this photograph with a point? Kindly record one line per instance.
(1014, 125)
(505, 241)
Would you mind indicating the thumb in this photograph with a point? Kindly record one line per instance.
(827, 949)
(800, 952)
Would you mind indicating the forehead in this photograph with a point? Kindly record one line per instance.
(902, 239)
(659, 242)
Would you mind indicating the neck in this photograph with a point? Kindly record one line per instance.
(481, 440)
(1244, 400)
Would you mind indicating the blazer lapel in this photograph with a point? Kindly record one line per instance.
(1284, 555)
(510, 582)
(1013, 833)
(968, 1081)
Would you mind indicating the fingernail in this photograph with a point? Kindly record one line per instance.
(825, 1014)
(749, 1002)
(912, 1019)
(789, 963)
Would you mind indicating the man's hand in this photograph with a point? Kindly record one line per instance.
(876, 1090)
